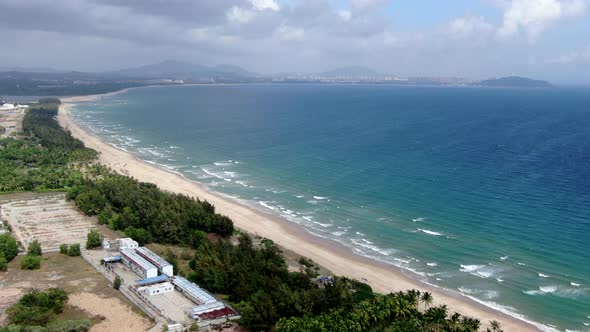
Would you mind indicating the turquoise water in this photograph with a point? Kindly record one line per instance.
(483, 191)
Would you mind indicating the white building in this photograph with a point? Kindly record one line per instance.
(156, 289)
(163, 266)
(127, 243)
(137, 264)
(206, 302)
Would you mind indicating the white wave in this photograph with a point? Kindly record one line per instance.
(230, 174)
(470, 268)
(504, 258)
(557, 291)
(367, 241)
(487, 294)
(429, 232)
(521, 264)
(314, 202)
(274, 191)
(174, 147)
(243, 184)
(338, 233)
(268, 206)
(220, 163)
(308, 218)
(543, 275)
(586, 324)
(432, 264)
(500, 280)
(359, 233)
(575, 285)
(299, 196)
(322, 224)
(418, 219)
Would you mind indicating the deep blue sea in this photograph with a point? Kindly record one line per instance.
(483, 191)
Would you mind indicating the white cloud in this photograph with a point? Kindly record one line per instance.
(534, 16)
(574, 57)
(362, 4)
(237, 14)
(265, 4)
(345, 14)
(287, 33)
(468, 26)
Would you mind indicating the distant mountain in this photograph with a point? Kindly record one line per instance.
(30, 69)
(182, 70)
(515, 81)
(353, 71)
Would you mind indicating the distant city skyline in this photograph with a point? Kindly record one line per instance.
(477, 39)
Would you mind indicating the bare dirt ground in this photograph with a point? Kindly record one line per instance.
(46, 217)
(11, 121)
(90, 294)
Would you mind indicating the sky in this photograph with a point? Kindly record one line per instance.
(543, 39)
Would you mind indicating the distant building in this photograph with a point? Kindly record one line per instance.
(138, 264)
(163, 266)
(110, 244)
(127, 243)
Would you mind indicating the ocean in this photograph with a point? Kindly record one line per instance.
(482, 191)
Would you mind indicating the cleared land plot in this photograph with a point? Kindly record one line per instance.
(46, 217)
(11, 121)
(90, 293)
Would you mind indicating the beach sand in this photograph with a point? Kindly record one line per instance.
(383, 278)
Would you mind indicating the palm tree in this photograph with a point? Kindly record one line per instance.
(426, 299)
(495, 325)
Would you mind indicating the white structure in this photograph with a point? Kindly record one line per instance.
(163, 266)
(127, 243)
(8, 106)
(156, 289)
(139, 265)
(206, 302)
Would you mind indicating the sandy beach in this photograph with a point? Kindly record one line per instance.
(335, 257)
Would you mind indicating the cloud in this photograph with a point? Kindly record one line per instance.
(469, 26)
(534, 16)
(345, 14)
(265, 4)
(240, 15)
(574, 57)
(287, 33)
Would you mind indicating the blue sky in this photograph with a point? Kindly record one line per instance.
(545, 39)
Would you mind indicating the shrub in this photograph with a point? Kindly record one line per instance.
(74, 250)
(37, 307)
(117, 283)
(63, 249)
(94, 239)
(3, 262)
(35, 249)
(30, 262)
(82, 325)
(8, 246)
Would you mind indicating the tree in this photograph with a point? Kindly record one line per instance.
(37, 308)
(35, 249)
(29, 262)
(117, 283)
(495, 325)
(94, 239)
(8, 246)
(426, 299)
(140, 235)
(3, 262)
(74, 250)
(63, 249)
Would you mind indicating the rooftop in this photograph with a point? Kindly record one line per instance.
(140, 261)
(151, 257)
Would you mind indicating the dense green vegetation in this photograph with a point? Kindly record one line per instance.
(142, 209)
(36, 311)
(35, 249)
(94, 239)
(8, 247)
(252, 276)
(392, 312)
(46, 159)
(30, 262)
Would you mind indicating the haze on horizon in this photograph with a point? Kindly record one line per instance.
(543, 39)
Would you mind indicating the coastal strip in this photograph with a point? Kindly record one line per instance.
(339, 259)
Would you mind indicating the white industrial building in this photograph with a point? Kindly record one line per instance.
(160, 288)
(127, 243)
(138, 264)
(163, 266)
(206, 302)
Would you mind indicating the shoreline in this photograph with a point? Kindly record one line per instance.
(339, 259)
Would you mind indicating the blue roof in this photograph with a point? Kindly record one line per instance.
(152, 280)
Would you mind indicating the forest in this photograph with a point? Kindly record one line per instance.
(251, 275)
